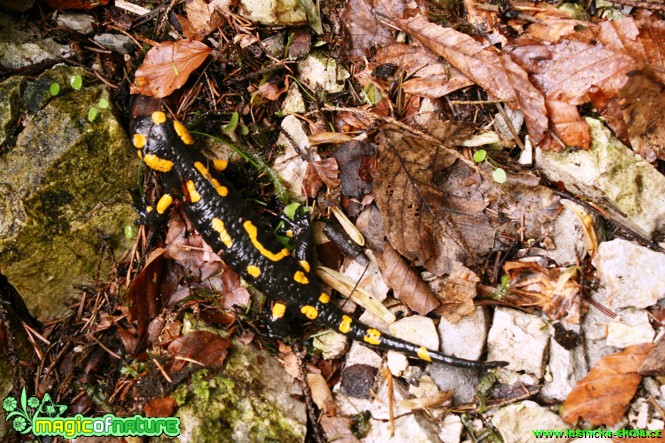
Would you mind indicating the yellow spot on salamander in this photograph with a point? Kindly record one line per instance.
(140, 153)
(252, 231)
(221, 190)
(158, 164)
(373, 337)
(224, 236)
(303, 264)
(164, 203)
(290, 233)
(139, 141)
(220, 165)
(309, 312)
(324, 298)
(345, 325)
(278, 311)
(254, 271)
(299, 276)
(158, 117)
(194, 196)
(423, 354)
(149, 209)
(183, 133)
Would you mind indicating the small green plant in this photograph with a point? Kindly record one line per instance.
(76, 82)
(54, 89)
(499, 174)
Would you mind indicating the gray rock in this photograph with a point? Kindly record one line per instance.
(331, 344)
(252, 400)
(568, 235)
(462, 382)
(629, 327)
(273, 12)
(64, 186)
(518, 338)
(116, 42)
(451, 429)
(466, 338)
(416, 329)
(81, 23)
(515, 422)
(630, 275)
(362, 355)
(378, 406)
(594, 326)
(412, 428)
(319, 71)
(11, 103)
(565, 368)
(631, 189)
(21, 44)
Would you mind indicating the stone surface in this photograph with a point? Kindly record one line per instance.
(378, 406)
(466, 338)
(412, 428)
(614, 177)
(290, 165)
(451, 429)
(629, 274)
(564, 369)
(63, 188)
(518, 338)
(11, 91)
(629, 327)
(331, 344)
(293, 102)
(21, 44)
(321, 72)
(515, 422)
(362, 355)
(397, 363)
(461, 382)
(116, 42)
(416, 329)
(568, 235)
(253, 399)
(273, 12)
(81, 23)
(594, 325)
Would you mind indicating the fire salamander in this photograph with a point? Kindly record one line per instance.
(234, 231)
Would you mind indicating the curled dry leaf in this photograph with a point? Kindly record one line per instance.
(203, 18)
(203, 347)
(363, 28)
(406, 282)
(431, 204)
(500, 76)
(321, 393)
(554, 290)
(603, 395)
(167, 67)
(458, 293)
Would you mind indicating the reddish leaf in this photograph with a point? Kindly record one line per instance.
(363, 28)
(167, 67)
(458, 293)
(207, 348)
(145, 296)
(406, 282)
(603, 395)
(499, 76)
(160, 407)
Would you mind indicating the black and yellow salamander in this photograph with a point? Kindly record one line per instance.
(233, 229)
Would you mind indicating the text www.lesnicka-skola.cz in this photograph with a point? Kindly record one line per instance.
(586, 433)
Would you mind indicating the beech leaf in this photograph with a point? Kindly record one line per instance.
(167, 67)
(603, 395)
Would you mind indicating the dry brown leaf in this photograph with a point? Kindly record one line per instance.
(406, 282)
(642, 101)
(203, 18)
(603, 395)
(553, 290)
(204, 347)
(458, 293)
(570, 126)
(146, 293)
(363, 28)
(431, 204)
(167, 67)
(427, 75)
(499, 76)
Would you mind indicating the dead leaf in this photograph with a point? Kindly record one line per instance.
(203, 18)
(431, 204)
(147, 292)
(207, 348)
(357, 164)
(458, 293)
(654, 364)
(603, 395)
(406, 282)
(321, 393)
(160, 407)
(553, 290)
(167, 67)
(642, 101)
(363, 28)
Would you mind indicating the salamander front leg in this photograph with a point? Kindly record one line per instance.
(299, 229)
(149, 215)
